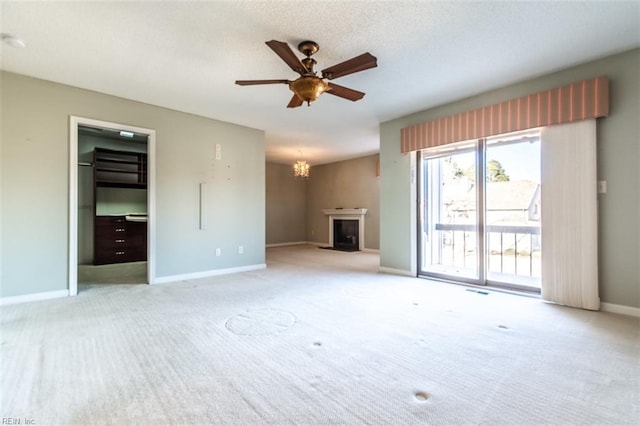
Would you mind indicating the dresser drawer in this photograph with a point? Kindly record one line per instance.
(116, 240)
(106, 255)
(112, 234)
(110, 220)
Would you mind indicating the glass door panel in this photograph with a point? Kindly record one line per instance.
(512, 210)
(448, 216)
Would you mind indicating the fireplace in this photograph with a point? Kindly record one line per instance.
(346, 228)
(345, 235)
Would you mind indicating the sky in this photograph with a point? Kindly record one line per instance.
(520, 161)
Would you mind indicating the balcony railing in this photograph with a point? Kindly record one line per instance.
(512, 250)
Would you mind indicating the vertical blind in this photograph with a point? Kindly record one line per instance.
(577, 101)
(569, 215)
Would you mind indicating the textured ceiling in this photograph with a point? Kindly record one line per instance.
(187, 55)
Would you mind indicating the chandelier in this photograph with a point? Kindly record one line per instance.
(301, 168)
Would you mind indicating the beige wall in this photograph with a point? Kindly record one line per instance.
(286, 205)
(34, 187)
(348, 184)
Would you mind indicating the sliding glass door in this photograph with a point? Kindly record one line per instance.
(479, 211)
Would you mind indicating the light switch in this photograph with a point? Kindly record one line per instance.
(602, 187)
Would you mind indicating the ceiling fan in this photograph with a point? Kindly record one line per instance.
(308, 87)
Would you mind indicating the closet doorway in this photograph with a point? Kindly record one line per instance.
(111, 203)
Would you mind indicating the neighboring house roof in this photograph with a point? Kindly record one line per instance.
(511, 195)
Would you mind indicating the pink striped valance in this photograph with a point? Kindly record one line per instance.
(577, 101)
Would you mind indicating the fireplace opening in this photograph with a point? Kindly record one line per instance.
(345, 234)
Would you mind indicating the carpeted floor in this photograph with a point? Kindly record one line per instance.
(117, 273)
(316, 338)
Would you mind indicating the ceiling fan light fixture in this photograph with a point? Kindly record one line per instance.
(308, 88)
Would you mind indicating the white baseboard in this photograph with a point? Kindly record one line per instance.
(316, 243)
(206, 274)
(294, 243)
(620, 309)
(297, 243)
(394, 271)
(34, 297)
(368, 250)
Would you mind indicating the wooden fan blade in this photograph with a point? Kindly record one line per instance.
(344, 92)
(286, 54)
(295, 102)
(254, 82)
(353, 65)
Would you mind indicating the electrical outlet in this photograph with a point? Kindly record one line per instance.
(240, 249)
(218, 252)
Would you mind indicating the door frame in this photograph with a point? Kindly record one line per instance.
(74, 123)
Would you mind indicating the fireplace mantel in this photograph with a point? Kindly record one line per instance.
(355, 214)
(349, 212)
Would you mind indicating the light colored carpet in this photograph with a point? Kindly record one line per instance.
(316, 338)
(117, 273)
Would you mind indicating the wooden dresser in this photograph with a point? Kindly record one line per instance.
(116, 238)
